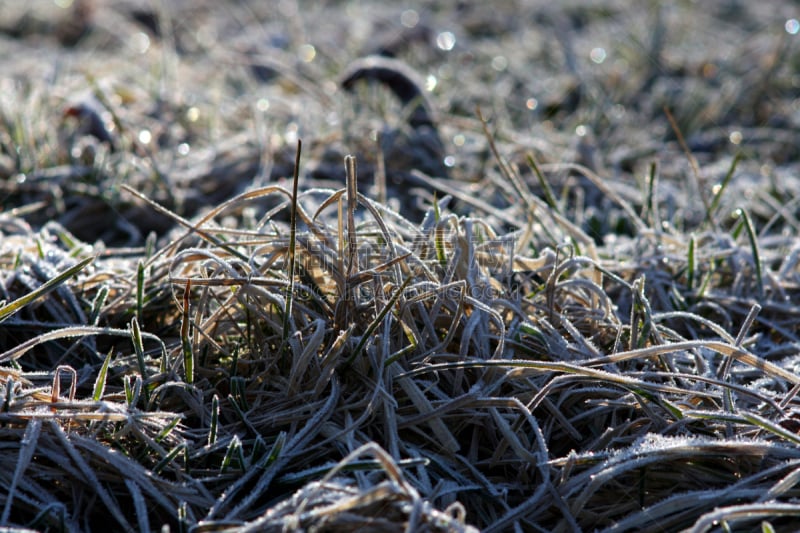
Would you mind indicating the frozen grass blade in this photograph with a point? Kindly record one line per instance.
(97, 305)
(287, 316)
(691, 264)
(734, 513)
(89, 475)
(719, 190)
(652, 202)
(214, 425)
(66, 333)
(747, 222)
(173, 453)
(351, 177)
(549, 196)
(186, 340)
(27, 448)
(139, 505)
(10, 308)
(139, 290)
(138, 347)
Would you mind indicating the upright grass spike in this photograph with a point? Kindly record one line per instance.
(138, 346)
(651, 206)
(213, 426)
(549, 196)
(747, 223)
(720, 189)
(186, 340)
(351, 177)
(287, 315)
(691, 264)
(97, 305)
(139, 290)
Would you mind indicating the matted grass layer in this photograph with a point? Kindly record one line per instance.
(206, 328)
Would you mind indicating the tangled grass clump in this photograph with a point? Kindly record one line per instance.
(391, 375)
(585, 319)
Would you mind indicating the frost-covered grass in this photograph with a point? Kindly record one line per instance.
(587, 321)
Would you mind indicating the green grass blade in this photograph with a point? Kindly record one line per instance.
(138, 347)
(212, 430)
(173, 453)
(720, 189)
(139, 290)
(100, 381)
(11, 308)
(549, 197)
(752, 237)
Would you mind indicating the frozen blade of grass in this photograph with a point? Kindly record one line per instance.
(293, 447)
(351, 177)
(234, 449)
(520, 187)
(65, 333)
(751, 236)
(362, 465)
(186, 340)
(88, 473)
(132, 391)
(691, 264)
(9, 309)
(193, 228)
(173, 453)
(439, 185)
(138, 347)
(651, 205)
(300, 364)
(750, 511)
(745, 327)
(773, 428)
(27, 447)
(56, 388)
(214, 425)
(97, 305)
(719, 190)
(288, 313)
(387, 462)
(164, 433)
(549, 196)
(783, 486)
(161, 492)
(139, 505)
(139, 290)
(331, 359)
(602, 184)
(722, 348)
